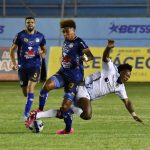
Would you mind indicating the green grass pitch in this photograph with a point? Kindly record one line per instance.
(111, 126)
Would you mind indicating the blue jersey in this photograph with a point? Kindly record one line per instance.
(71, 64)
(28, 48)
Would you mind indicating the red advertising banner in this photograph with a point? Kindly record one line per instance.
(6, 72)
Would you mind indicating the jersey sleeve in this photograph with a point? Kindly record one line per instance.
(93, 77)
(16, 40)
(82, 45)
(43, 41)
(122, 93)
(108, 66)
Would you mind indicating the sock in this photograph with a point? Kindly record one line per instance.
(30, 98)
(68, 119)
(78, 111)
(42, 99)
(47, 114)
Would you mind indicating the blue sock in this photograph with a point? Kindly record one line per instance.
(30, 98)
(68, 119)
(42, 99)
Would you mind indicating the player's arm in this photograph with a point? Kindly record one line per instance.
(12, 56)
(130, 109)
(106, 53)
(42, 51)
(87, 55)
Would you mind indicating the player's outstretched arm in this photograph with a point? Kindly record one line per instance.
(12, 56)
(87, 55)
(130, 109)
(107, 50)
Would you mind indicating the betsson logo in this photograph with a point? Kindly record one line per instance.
(128, 28)
(1, 29)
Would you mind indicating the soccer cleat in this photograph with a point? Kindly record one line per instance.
(63, 131)
(31, 118)
(38, 110)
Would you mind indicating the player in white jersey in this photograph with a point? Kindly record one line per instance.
(110, 80)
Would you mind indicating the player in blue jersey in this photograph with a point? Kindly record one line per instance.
(31, 47)
(71, 73)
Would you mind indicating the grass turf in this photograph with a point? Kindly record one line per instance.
(111, 126)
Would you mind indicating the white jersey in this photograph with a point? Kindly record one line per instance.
(102, 83)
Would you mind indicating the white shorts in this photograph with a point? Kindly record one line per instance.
(82, 92)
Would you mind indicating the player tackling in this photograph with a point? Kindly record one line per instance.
(111, 79)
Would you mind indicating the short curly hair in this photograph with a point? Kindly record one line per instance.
(29, 17)
(67, 23)
(124, 67)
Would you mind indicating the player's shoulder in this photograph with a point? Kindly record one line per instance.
(79, 39)
(21, 32)
(39, 33)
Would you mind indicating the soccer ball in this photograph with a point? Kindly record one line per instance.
(37, 126)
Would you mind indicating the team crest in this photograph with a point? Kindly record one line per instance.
(70, 45)
(25, 40)
(37, 40)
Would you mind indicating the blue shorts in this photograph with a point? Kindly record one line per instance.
(26, 74)
(69, 87)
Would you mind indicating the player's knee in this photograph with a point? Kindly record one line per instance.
(48, 86)
(64, 108)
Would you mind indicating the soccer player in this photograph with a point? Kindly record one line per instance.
(31, 47)
(110, 80)
(71, 73)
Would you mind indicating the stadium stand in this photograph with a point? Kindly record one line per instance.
(75, 8)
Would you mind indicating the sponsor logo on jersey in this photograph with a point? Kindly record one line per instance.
(25, 40)
(30, 53)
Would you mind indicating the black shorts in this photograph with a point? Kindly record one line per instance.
(26, 74)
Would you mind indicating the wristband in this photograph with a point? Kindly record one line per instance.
(133, 114)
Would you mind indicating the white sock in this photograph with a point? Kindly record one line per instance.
(51, 113)
(78, 111)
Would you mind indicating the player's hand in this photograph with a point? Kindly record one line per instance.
(15, 67)
(111, 43)
(136, 118)
(84, 58)
(42, 54)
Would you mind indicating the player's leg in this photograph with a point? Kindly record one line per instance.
(54, 82)
(33, 76)
(82, 101)
(24, 90)
(85, 105)
(66, 111)
(22, 74)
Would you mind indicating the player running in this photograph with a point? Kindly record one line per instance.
(31, 46)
